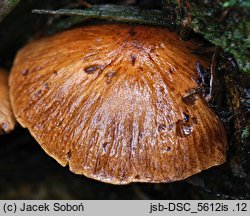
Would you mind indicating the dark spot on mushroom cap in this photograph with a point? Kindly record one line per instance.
(183, 129)
(109, 76)
(132, 59)
(152, 49)
(5, 126)
(171, 126)
(161, 127)
(132, 32)
(68, 155)
(123, 174)
(106, 146)
(185, 117)
(195, 120)
(25, 72)
(169, 149)
(137, 177)
(162, 89)
(59, 123)
(37, 93)
(92, 69)
(189, 100)
(46, 85)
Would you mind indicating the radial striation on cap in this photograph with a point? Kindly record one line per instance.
(109, 101)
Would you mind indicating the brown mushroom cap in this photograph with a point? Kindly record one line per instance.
(7, 120)
(107, 100)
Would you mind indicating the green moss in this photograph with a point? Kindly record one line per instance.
(113, 13)
(245, 133)
(6, 6)
(108, 12)
(224, 23)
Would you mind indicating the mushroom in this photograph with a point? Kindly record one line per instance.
(110, 101)
(7, 120)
